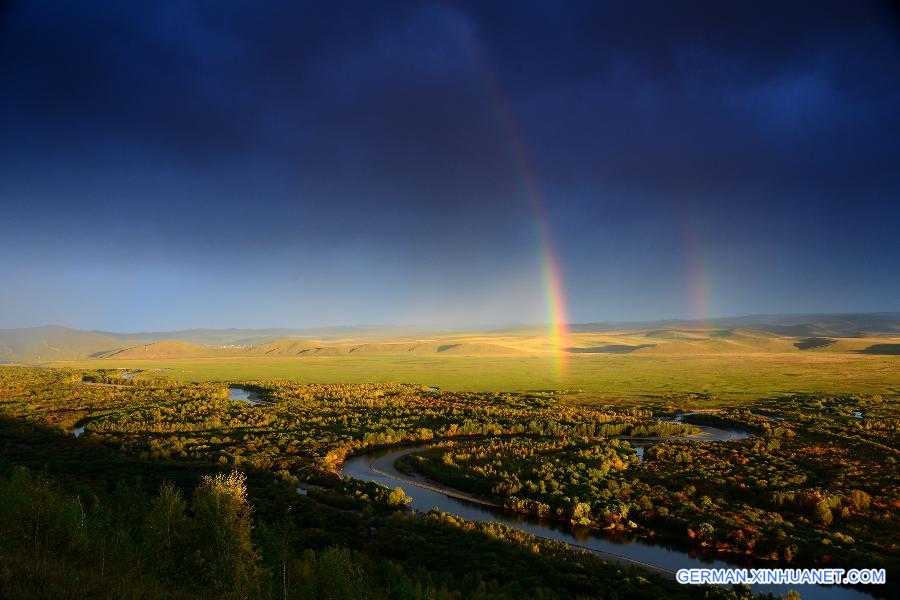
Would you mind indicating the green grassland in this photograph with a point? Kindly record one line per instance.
(715, 365)
(715, 378)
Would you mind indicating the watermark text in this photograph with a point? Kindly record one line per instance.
(781, 576)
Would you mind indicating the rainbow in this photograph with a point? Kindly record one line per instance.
(554, 287)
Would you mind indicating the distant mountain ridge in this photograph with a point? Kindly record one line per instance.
(867, 333)
(205, 336)
(247, 337)
(54, 342)
(827, 324)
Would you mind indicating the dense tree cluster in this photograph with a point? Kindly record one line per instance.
(811, 490)
(307, 430)
(561, 479)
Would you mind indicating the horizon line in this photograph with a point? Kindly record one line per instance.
(476, 327)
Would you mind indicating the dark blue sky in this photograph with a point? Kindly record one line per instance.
(176, 164)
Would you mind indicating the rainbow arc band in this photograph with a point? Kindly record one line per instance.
(554, 287)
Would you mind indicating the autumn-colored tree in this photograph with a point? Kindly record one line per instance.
(859, 500)
(581, 514)
(398, 497)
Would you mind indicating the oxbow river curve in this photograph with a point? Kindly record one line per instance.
(378, 467)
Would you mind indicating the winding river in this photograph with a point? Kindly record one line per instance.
(378, 466)
(247, 396)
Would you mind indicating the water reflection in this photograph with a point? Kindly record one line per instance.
(247, 396)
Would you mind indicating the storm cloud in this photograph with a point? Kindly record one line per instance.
(301, 164)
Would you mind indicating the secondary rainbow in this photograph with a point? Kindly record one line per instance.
(699, 292)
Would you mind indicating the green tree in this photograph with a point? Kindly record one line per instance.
(338, 576)
(224, 554)
(822, 513)
(165, 528)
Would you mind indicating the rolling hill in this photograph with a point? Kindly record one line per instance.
(876, 334)
(283, 347)
(167, 349)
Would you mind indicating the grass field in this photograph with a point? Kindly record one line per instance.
(730, 377)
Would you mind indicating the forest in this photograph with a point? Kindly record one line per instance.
(176, 490)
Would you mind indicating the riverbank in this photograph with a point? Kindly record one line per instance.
(378, 466)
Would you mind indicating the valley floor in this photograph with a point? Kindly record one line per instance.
(814, 484)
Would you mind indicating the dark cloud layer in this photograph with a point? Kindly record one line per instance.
(332, 153)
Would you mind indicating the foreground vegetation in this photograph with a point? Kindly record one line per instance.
(174, 490)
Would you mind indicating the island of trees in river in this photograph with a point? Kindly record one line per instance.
(175, 490)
